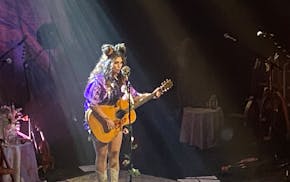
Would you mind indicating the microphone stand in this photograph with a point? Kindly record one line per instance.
(130, 130)
(11, 49)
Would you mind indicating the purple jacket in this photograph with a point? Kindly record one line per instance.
(97, 93)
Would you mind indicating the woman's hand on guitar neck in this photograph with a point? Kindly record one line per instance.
(157, 93)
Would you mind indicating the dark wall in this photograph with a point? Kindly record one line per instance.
(213, 63)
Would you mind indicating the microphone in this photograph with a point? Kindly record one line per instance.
(125, 71)
(227, 36)
(7, 60)
(264, 34)
(259, 33)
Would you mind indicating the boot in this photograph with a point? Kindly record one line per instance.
(114, 175)
(102, 177)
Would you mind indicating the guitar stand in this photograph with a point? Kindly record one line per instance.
(5, 167)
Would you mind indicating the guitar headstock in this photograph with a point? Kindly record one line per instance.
(166, 85)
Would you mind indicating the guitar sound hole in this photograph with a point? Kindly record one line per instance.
(120, 114)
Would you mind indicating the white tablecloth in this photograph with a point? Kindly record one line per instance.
(22, 159)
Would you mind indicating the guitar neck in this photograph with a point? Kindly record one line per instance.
(140, 102)
(163, 88)
(143, 100)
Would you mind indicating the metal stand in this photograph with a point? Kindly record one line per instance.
(9, 50)
(130, 130)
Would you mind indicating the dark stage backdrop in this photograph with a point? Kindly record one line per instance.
(53, 46)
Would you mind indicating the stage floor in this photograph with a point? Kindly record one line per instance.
(272, 164)
(124, 177)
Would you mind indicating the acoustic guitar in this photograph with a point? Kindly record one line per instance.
(119, 113)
